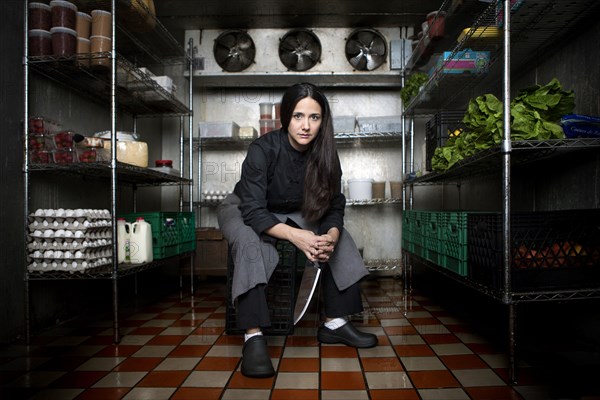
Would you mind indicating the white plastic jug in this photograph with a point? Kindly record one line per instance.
(123, 238)
(140, 244)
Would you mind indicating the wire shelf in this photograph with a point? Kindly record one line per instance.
(126, 173)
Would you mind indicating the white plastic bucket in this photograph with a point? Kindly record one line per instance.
(140, 245)
(360, 189)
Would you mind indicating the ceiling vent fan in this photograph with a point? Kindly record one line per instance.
(234, 50)
(366, 49)
(299, 50)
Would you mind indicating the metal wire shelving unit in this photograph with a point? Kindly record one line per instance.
(514, 40)
(121, 87)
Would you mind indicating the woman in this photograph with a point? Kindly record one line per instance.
(290, 189)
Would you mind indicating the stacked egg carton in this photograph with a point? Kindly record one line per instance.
(69, 240)
(214, 196)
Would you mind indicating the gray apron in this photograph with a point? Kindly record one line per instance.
(255, 257)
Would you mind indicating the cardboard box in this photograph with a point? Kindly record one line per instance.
(464, 61)
(211, 253)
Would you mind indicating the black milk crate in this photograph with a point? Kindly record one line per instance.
(281, 292)
(436, 131)
(549, 250)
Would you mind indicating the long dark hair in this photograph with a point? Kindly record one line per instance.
(323, 171)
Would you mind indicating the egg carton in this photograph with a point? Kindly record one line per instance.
(87, 213)
(69, 235)
(69, 266)
(72, 225)
(214, 196)
(70, 245)
(88, 254)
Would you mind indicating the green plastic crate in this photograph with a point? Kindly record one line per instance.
(164, 226)
(431, 228)
(456, 265)
(186, 231)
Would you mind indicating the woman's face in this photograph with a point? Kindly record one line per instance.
(304, 124)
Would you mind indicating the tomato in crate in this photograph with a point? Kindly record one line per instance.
(86, 154)
(63, 156)
(63, 140)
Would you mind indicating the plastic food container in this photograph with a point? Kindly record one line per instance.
(40, 157)
(344, 123)
(42, 125)
(83, 25)
(378, 190)
(164, 163)
(101, 23)
(40, 16)
(86, 154)
(129, 152)
(360, 189)
(437, 24)
(166, 167)
(396, 189)
(83, 47)
(219, 129)
(40, 42)
(390, 123)
(64, 14)
(100, 44)
(64, 41)
(266, 125)
(63, 140)
(39, 141)
(63, 156)
(266, 110)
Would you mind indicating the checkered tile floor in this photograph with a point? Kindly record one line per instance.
(177, 349)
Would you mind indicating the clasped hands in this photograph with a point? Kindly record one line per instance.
(318, 248)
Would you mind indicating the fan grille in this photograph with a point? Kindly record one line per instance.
(299, 50)
(234, 50)
(366, 49)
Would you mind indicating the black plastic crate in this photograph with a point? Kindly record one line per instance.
(281, 291)
(436, 131)
(553, 249)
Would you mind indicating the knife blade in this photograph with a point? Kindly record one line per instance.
(310, 279)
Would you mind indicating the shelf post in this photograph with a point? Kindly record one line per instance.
(113, 172)
(190, 60)
(26, 165)
(506, 209)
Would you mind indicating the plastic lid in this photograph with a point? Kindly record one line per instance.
(124, 136)
(120, 219)
(163, 163)
(139, 219)
(100, 12)
(62, 29)
(100, 37)
(83, 39)
(39, 5)
(38, 32)
(63, 3)
(84, 15)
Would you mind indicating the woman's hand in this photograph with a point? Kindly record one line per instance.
(317, 248)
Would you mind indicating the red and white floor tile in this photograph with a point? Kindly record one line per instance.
(177, 349)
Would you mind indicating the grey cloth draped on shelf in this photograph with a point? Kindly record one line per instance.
(255, 257)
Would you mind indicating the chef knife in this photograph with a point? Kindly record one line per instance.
(310, 279)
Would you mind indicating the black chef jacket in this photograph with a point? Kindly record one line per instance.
(272, 181)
